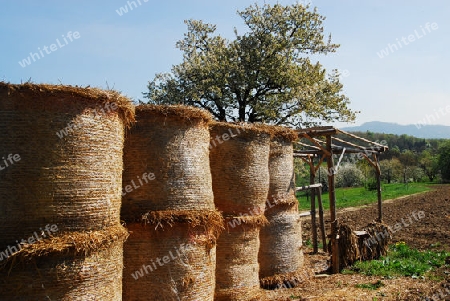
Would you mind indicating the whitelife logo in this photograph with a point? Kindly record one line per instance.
(9, 160)
(391, 48)
(130, 5)
(10, 250)
(35, 56)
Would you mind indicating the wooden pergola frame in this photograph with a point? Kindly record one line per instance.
(323, 145)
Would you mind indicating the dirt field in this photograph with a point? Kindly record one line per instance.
(429, 232)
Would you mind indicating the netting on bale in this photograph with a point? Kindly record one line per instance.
(172, 143)
(281, 255)
(72, 266)
(239, 158)
(172, 256)
(237, 271)
(281, 167)
(68, 142)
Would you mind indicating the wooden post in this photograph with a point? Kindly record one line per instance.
(334, 222)
(312, 177)
(378, 176)
(321, 221)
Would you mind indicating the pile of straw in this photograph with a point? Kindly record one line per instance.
(172, 142)
(372, 245)
(281, 255)
(70, 143)
(376, 243)
(348, 247)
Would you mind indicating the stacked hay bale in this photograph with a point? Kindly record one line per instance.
(280, 255)
(239, 166)
(60, 195)
(171, 251)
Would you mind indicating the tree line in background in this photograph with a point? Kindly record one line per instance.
(409, 159)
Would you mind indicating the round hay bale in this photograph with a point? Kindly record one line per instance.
(173, 257)
(172, 143)
(281, 245)
(237, 268)
(239, 165)
(69, 146)
(75, 266)
(281, 167)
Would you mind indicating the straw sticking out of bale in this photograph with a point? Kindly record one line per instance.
(174, 262)
(237, 265)
(211, 222)
(287, 280)
(281, 243)
(239, 156)
(78, 243)
(172, 143)
(75, 266)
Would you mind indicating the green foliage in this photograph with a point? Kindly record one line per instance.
(402, 261)
(371, 286)
(359, 196)
(444, 161)
(348, 175)
(429, 163)
(263, 75)
(391, 170)
(371, 185)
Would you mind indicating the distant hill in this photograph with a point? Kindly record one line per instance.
(419, 131)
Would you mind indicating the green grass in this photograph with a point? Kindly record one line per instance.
(359, 196)
(401, 260)
(370, 286)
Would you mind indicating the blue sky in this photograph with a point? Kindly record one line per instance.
(407, 85)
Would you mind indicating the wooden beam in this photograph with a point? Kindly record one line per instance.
(320, 163)
(384, 148)
(377, 149)
(307, 145)
(307, 187)
(321, 220)
(317, 131)
(378, 176)
(324, 150)
(312, 178)
(334, 221)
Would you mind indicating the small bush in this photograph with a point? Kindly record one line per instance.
(348, 175)
(371, 185)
